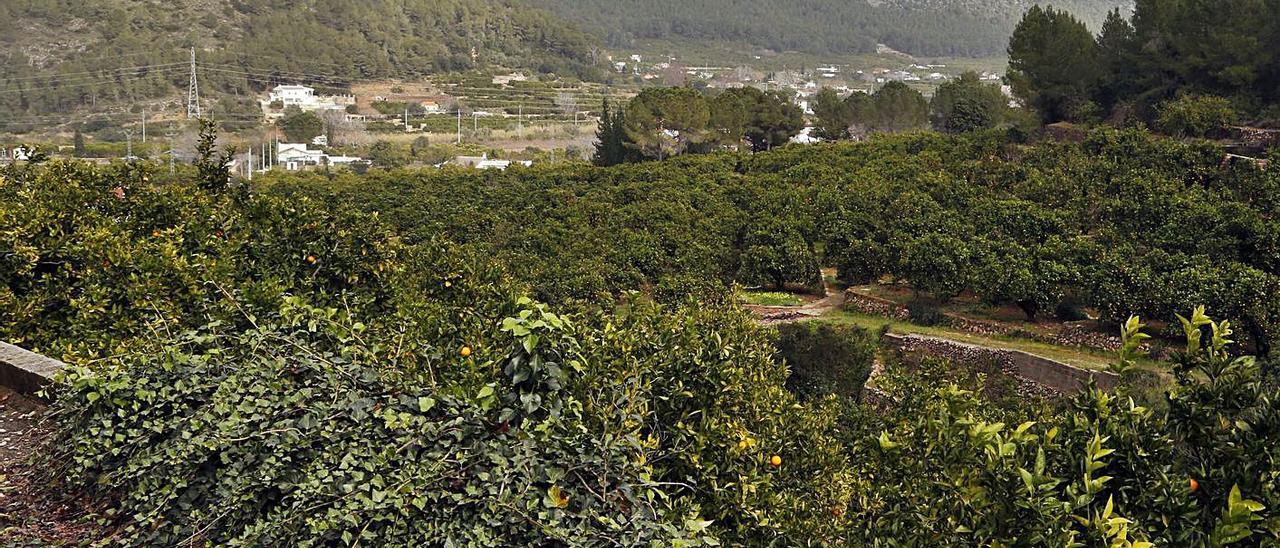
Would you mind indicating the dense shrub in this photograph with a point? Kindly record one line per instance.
(826, 359)
(1069, 310)
(926, 312)
(1196, 116)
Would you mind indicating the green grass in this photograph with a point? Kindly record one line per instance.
(1079, 357)
(770, 298)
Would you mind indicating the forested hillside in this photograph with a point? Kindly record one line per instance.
(58, 55)
(920, 27)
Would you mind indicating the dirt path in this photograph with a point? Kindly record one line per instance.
(29, 516)
(832, 299)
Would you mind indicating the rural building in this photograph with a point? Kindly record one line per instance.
(304, 98)
(805, 137)
(483, 162)
(296, 156)
(505, 79)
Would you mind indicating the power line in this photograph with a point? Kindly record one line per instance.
(266, 75)
(287, 60)
(96, 73)
(90, 82)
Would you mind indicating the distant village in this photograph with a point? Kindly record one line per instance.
(803, 84)
(401, 110)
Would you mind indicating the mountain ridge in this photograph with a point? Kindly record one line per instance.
(967, 28)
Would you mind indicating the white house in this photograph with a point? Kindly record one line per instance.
(17, 154)
(295, 156)
(805, 137)
(501, 165)
(344, 160)
(304, 98)
(484, 162)
(293, 95)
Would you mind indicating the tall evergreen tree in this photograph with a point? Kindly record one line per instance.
(1053, 64)
(899, 108)
(605, 155)
(611, 137)
(1117, 46)
(78, 144)
(834, 115)
(662, 122)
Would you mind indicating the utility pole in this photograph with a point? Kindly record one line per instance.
(171, 134)
(250, 166)
(662, 137)
(520, 123)
(193, 90)
(406, 120)
(144, 124)
(459, 124)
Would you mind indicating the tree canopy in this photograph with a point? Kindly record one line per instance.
(1168, 49)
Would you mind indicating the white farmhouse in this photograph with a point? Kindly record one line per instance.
(293, 95)
(304, 98)
(296, 156)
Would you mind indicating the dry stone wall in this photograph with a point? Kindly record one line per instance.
(1036, 374)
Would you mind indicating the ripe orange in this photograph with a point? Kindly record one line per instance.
(775, 460)
(1195, 485)
(311, 259)
(466, 351)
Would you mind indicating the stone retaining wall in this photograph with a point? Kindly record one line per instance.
(1069, 335)
(855, 301)
(1043, 372)
(26, 372)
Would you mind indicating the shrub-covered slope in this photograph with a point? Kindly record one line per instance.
(64, 54)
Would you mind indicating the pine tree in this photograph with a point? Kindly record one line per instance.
(1053, 65)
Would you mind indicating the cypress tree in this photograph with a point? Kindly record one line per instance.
(610, 137)
(604, 156)
(78, 144)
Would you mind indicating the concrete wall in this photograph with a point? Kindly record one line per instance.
(1044, 372)
(26, 372)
